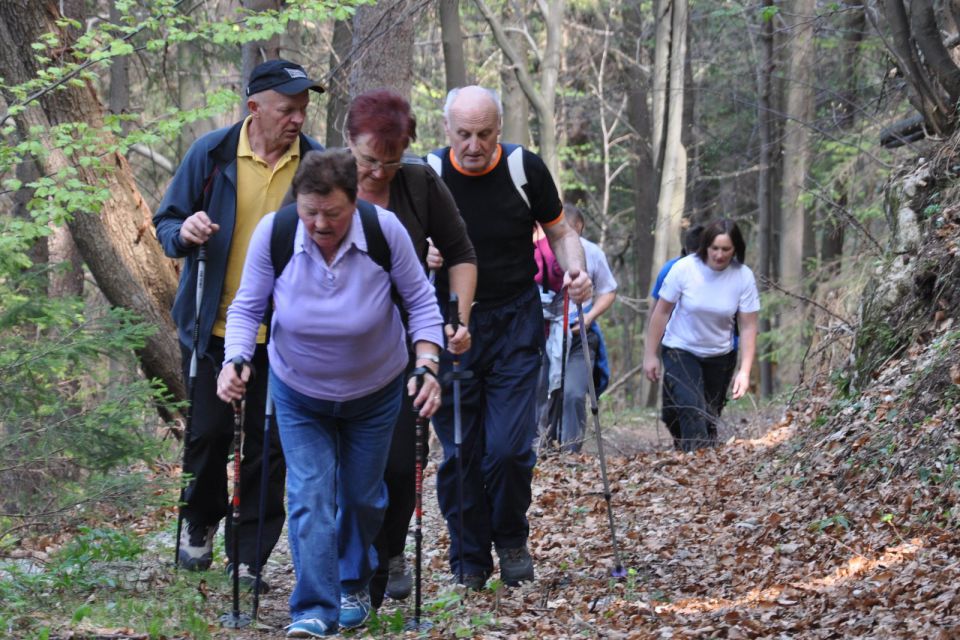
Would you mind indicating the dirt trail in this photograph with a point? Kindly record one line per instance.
(721, 543)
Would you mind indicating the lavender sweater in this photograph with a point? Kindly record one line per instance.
(336, 334)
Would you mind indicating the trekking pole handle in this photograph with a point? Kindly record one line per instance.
(453, 312)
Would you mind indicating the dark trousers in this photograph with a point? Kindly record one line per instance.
(400, 477)
(694, 392)
(210, 445)
(498, 429)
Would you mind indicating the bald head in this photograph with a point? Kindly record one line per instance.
(472, 122)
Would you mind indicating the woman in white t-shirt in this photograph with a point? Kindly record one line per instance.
(702, 298)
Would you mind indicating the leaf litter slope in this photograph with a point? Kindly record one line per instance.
(783, 536)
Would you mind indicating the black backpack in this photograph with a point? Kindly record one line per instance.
(285, 228)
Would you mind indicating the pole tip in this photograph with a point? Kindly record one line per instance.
(619, 572)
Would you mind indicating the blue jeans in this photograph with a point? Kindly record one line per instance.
(498, 410)
(336, 453)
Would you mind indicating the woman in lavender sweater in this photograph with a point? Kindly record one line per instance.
(337, 355)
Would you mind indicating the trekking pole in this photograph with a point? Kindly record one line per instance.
(453, 314)
(235, 619)
(420, 458)
(191, 394)
(261, 511)
(618, 570)
(558, 415)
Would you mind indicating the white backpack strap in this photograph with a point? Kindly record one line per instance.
(517, 174)
(435, 162)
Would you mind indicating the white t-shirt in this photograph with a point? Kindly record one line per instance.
(706, 303)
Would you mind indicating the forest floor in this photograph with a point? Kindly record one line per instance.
(778, 535)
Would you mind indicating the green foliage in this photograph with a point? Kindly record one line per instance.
(91, 581)
(836, 522)
(71, 427)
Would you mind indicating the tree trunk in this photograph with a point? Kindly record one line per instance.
(116, 242)
(673, 174)
(796, 237)
(516, 109)
(923, 25)
(764, 198)
(831, 242)
(338, 96)
(645, 186)
(451, 36)
(383, 48)
(257, 51)
(119, 99)
(542, 99)
(924, 96)
(661, 79)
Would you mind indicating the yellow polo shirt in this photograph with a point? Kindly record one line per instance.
(260, 190)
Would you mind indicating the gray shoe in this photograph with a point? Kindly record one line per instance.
(196, 547)
(248, 579)
(399, 582)
(516, 565)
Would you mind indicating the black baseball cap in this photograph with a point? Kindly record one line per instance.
(281, 76)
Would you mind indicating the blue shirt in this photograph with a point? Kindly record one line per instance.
(655, 294)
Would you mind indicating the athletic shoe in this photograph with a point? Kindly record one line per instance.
(354, 609)
(516, 565)
(310, 628)
(399, 582)
(196, 547)
(248, 579)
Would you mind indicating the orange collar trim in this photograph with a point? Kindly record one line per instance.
(493, 164)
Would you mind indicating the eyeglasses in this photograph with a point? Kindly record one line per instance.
(374, 164)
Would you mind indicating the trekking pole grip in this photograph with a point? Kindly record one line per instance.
(453, 311)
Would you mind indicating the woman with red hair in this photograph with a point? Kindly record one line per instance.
(380, 127)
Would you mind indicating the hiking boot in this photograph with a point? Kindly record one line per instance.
(310, 628)
(472, 581)
(196, 547)
(354, 609)
(399, 582)
(248, 579)
(516, 565)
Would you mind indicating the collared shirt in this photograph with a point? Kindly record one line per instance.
(336, 332)
(260, 190)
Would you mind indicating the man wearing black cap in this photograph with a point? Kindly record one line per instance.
(228, 180)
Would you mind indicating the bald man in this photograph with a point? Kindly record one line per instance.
(498, 402)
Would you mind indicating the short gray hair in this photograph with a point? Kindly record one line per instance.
(453, 93)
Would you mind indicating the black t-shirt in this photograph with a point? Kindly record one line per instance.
(499, 222)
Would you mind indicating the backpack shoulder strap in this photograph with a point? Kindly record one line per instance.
(377, 247)
(282, 236)
(435, 162)
(514, 154)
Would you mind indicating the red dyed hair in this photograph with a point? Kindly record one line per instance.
(386, 116)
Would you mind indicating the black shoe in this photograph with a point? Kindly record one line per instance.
(516, 565)
(248, 579)
(399, 582)
(196, 546)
